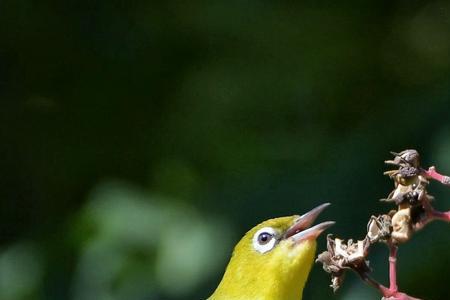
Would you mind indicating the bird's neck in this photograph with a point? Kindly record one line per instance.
(266, 281)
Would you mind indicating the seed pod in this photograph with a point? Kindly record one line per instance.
(401, 226)
(342, 256)
(379, 228)
(408, 157)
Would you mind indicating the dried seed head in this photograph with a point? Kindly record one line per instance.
(408, 163)
(408, 172)
(353, 254)
(379, 228)
(402, 226)
(408, 191)
(336, 282)
(408, 157)
(331, 266)
(343, 255)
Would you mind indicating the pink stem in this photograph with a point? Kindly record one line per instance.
(393, 268)
(432, 214)
(372, 282)
(387, 293)
(433, 174)
(392, 292)
(439, 215)
(401, 296)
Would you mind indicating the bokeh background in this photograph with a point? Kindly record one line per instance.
(140, 140)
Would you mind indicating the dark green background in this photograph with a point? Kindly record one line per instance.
(140, 140)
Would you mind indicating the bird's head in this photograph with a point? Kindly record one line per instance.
(273, 259)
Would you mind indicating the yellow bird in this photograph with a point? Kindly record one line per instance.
(272, 261)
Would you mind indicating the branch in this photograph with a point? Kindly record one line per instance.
(414, 211)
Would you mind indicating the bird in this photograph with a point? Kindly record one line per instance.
(273, 260)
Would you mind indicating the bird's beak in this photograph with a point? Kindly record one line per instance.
(301, 229)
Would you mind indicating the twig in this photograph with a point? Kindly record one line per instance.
(433, 174)
(393, 249)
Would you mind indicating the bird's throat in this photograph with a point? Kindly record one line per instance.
(280, 276)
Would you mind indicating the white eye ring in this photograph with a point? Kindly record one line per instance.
(264, 239)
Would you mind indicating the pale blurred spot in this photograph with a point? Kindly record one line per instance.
(137, 245)
(191, 250)
(123, 212)
(21, 271)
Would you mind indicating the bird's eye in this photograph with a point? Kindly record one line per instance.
(264, 239)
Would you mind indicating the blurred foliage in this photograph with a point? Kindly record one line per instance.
(139, 140)
(141, 245)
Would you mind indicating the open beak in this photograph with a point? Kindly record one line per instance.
(301, 229)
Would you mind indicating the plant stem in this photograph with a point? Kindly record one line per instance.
(433, 174)
(373, 283)
(392, 292)
(393, 268)
(432, 214)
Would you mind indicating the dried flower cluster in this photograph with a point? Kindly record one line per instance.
(413, 211)
(342, 256)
